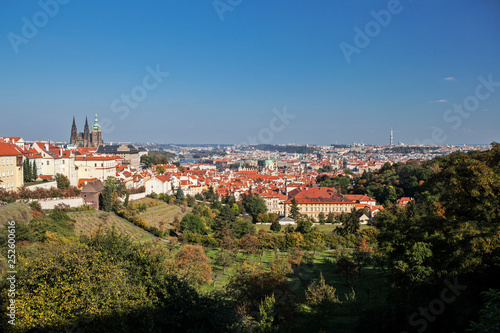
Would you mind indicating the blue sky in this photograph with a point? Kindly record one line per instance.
(229, 67)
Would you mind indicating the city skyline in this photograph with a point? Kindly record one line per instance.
(173, 72)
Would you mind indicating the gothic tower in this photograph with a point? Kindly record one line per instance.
(96, 133)
(86, 134)
(74, 133)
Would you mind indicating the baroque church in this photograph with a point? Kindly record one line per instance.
(86, 139)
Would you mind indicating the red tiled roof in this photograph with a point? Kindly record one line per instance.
(9, 149)
(85, 181)
(358, 197)
(94, 158)
(163, 178)
(318, 195)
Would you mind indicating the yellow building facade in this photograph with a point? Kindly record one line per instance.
(11, 167)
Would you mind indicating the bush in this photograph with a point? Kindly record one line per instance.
(321, 297)
(193, 223)
(275, 226)
(62, 207)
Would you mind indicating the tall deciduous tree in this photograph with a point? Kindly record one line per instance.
(194, 264)
(254, 206)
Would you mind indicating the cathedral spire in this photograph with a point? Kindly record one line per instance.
(74, 134)
(86, 134)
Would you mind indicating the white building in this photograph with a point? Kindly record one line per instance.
(100, 167)
(159, 184)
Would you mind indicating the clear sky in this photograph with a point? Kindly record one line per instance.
(339, 74)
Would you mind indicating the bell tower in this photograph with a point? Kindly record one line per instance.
(96, 133)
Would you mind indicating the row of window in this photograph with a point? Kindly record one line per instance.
(7, 174)
(325, 209)
(328, 209)
(7, 161)
(11, 185)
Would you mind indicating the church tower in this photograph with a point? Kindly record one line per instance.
(86, 134)
(96, 134)
(74, 134)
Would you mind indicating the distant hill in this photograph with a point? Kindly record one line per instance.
(286, 149)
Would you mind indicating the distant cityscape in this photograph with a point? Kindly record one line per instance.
(271, 171)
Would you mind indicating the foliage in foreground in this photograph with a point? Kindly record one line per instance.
(109, 284)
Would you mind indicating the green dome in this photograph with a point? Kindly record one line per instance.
(96, 123)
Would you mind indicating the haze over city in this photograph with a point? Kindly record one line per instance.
(213, 72)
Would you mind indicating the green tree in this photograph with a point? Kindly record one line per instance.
(62, 181)
(250, 284)
(242, 227)
(254, 206)
(161, 169)
(488, 321)
(33, 174)
(304, 225)
(322, 297)
(294, 210)
(321, 218)
(113, 189)
(180, 194)
(100, 286)
(350, 223)
(347, 268)
(275, 226)
(193, 264)
(26, 170)
(193, 223)
(225, 259)
(210, 194)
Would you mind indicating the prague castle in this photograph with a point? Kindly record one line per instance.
(86, 139)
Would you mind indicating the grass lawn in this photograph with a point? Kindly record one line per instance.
(88, 221)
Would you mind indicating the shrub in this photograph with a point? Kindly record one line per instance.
(321, 297)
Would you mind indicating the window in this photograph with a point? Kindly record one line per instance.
(11, 173)
(48, 162)
(3, 161)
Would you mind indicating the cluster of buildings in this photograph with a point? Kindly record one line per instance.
(277, 177)
(85, 158)
(278, 189)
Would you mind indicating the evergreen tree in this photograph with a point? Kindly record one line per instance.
(180, 194)
(294, 210)
(25, 170)
(33, 172)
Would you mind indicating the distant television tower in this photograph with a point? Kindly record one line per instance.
(391, 138)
